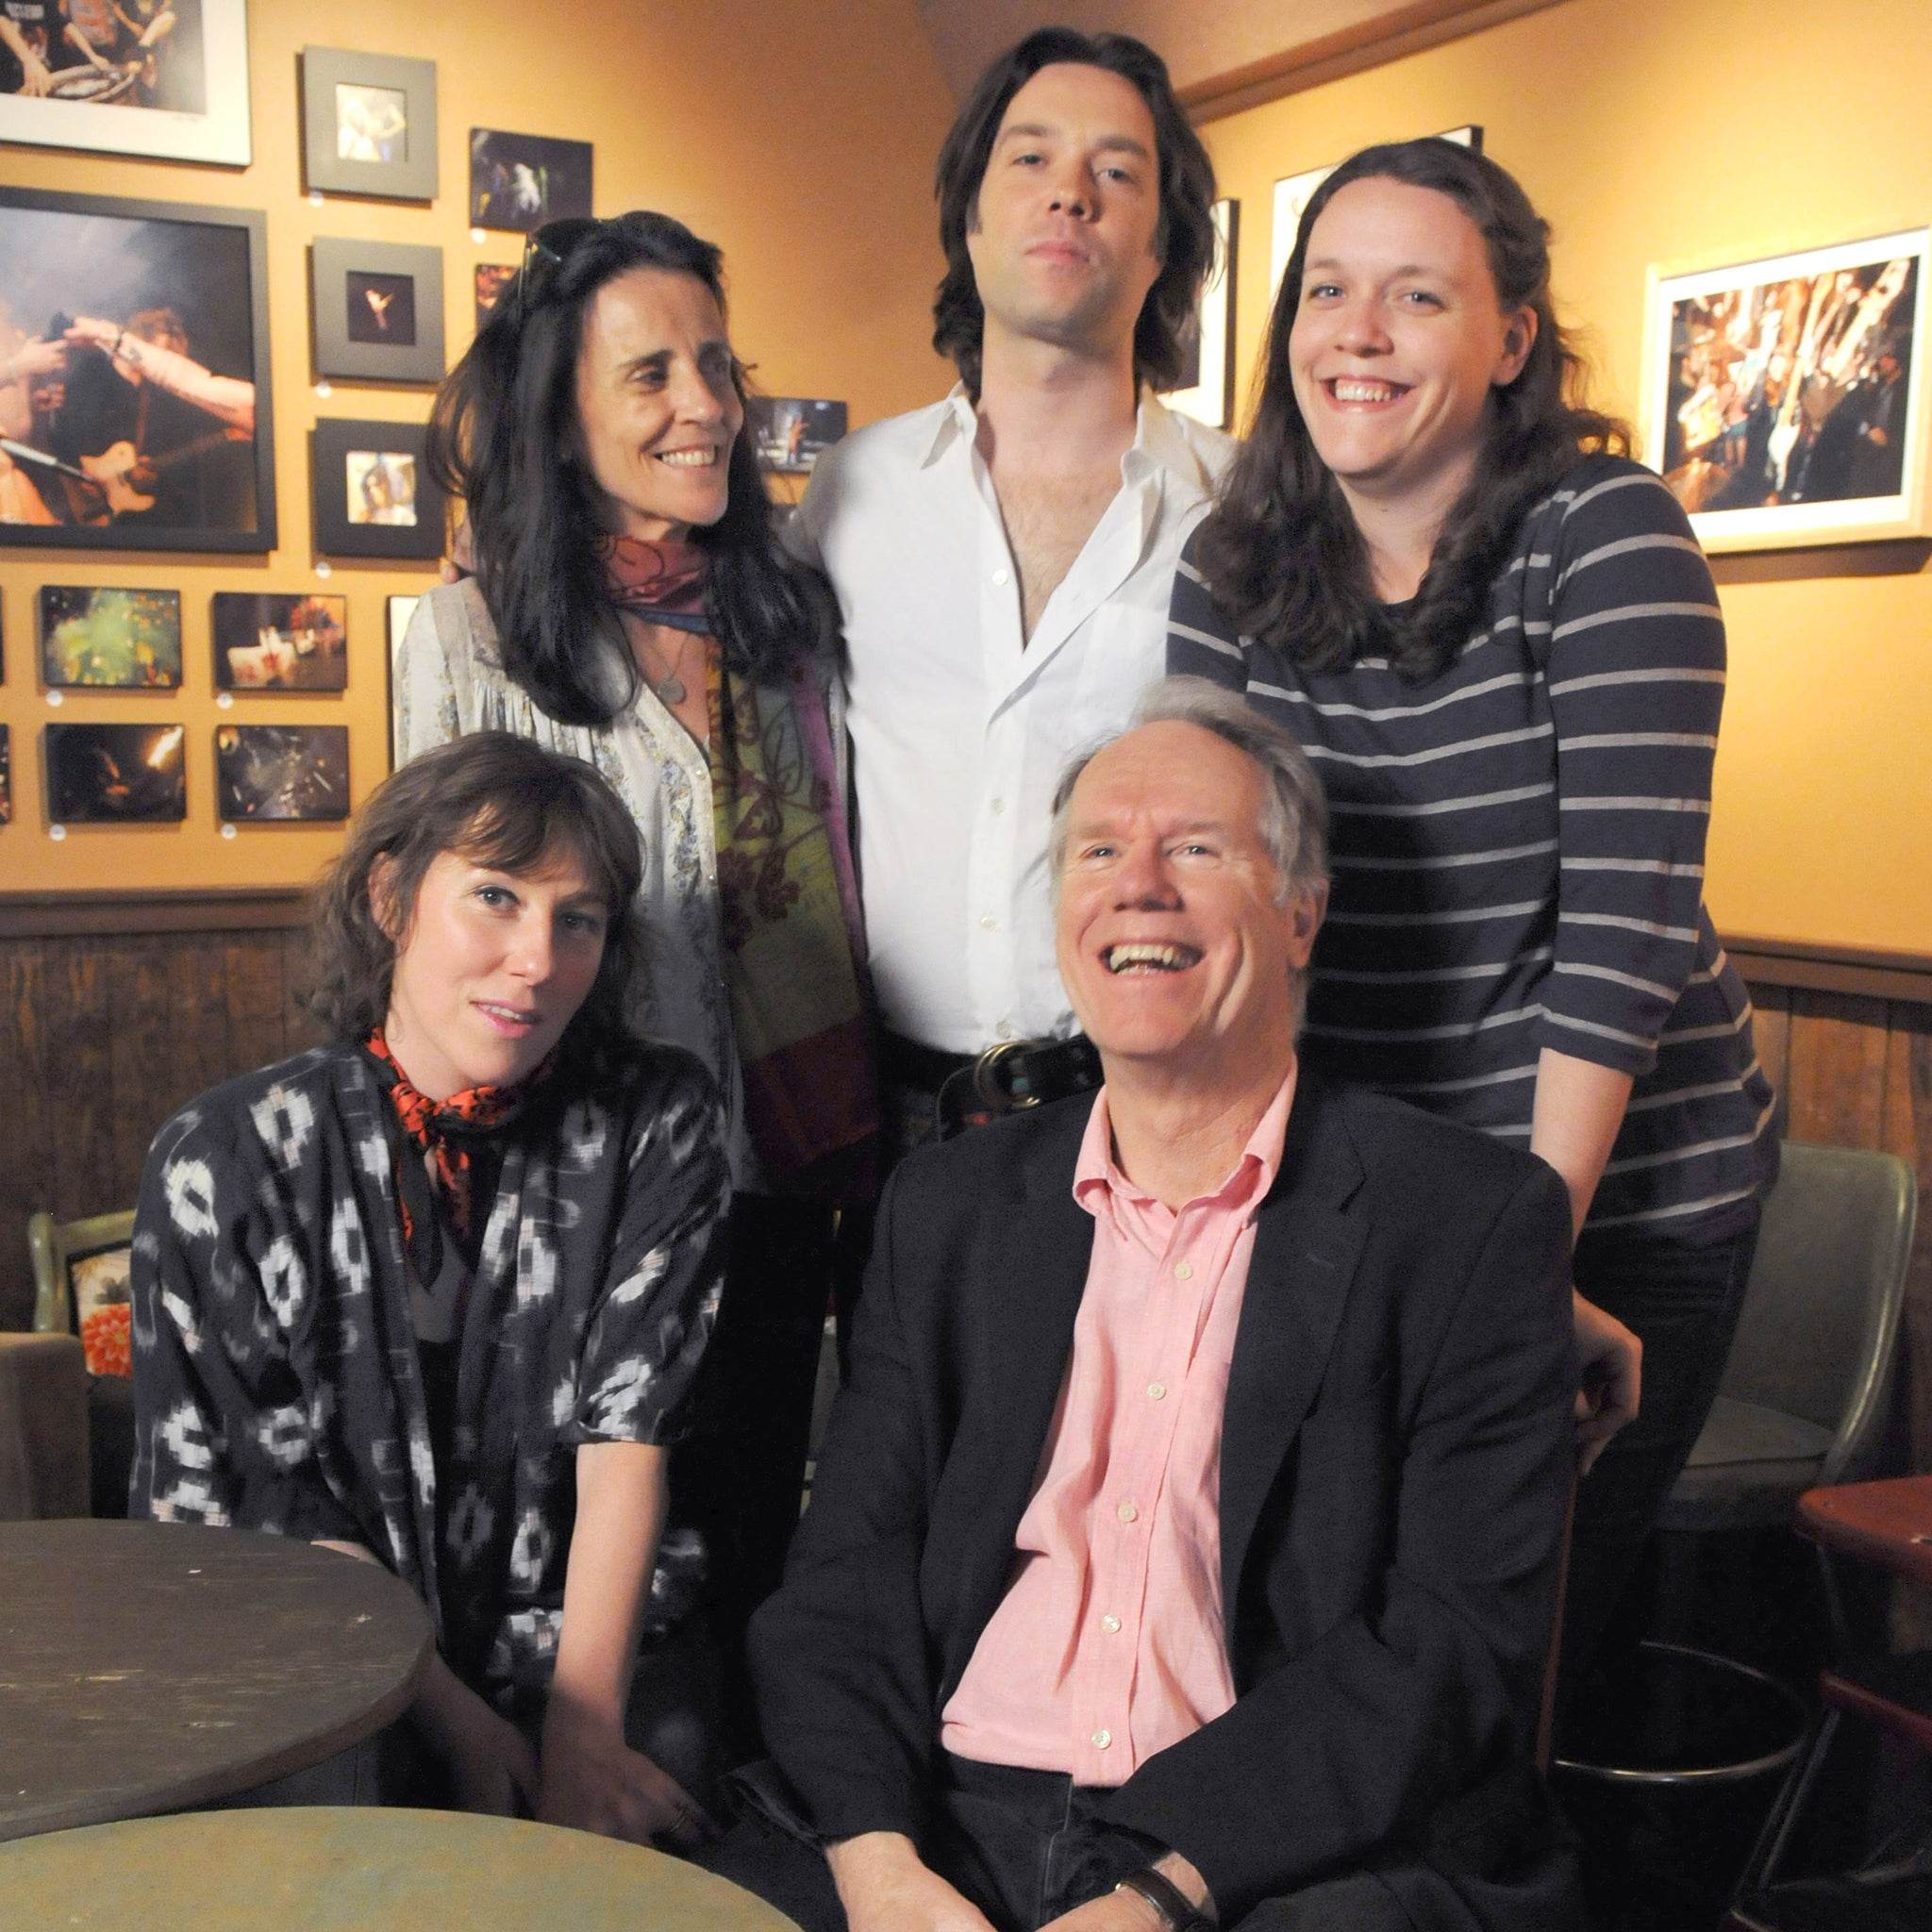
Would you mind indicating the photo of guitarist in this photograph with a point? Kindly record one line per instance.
(156, 437)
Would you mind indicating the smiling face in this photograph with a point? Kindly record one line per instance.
(1062, 242)
(657, 408)
(492, 969)
(1173, 945)
(1399, 339)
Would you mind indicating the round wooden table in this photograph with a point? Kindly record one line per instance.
(150, 1666)
(353, 1870)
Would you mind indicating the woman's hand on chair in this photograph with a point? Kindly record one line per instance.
(1611, 1361)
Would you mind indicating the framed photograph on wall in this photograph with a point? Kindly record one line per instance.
(791, 433)
(368, 124)
(167, 78)
(116, 774)
(104, 640)
(492, 278)
(6, 776)
(140, 329)
(1205, 390)
(1785, 399)
(520, 181)
(1293, 192)
(281, 771)
(264, 642)
(373, 494)
(378, 311)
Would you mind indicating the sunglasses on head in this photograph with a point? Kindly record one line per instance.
(545, 251)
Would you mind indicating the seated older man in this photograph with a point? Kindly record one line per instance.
(1185, 1543)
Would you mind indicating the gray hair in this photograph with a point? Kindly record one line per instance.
(1294, 816)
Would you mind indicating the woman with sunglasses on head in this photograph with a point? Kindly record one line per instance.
(436, 1293)
(629, 606)
(1499, 641)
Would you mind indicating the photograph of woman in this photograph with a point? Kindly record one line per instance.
(1500, 645)
(630, 606)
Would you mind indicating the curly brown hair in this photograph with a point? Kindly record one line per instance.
(496, 800)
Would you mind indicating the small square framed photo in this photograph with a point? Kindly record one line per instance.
(520, 181)
(1785, 400)
(791, 433)
(268, 643)
(368, 124)
(374, 496)
(166, 77)
(1206, 388)
(281, 771)
(104, 640)
(116, 774)
(378, 311)
(492, 278)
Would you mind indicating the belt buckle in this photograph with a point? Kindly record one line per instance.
(993, 1092)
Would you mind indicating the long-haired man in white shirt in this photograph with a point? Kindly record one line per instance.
(1002, 559)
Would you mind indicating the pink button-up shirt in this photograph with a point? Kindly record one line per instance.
(1109, 1644)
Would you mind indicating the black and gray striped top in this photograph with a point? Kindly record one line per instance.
(1519, 851)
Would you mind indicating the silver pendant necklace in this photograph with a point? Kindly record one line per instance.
(670, 691)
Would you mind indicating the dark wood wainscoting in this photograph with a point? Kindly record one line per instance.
(113, 1012)
(117, 1009)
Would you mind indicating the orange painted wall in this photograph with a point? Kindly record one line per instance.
(1648, 131)
(800, 137)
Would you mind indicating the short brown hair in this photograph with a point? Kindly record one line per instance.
(499, 801)
(1184, 240)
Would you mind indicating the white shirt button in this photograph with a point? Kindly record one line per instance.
(1001, 576)
(1102, 1740)
(987, 920)
(997, 805)
(1156, 1391)
(1183, 1271)
(1126, 1512)
(1110, 1623)
(1004, 1030)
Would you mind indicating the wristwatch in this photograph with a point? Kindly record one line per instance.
(1177, 1912)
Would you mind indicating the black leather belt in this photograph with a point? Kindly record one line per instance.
(972, 1089)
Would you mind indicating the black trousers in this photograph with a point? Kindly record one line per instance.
(1025, 1846)
(1682, 1299)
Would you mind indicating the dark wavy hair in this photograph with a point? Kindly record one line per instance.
(1184, 240)
(1281, 553)
(499, 801)
(500, 438)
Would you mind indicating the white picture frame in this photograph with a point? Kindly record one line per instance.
(219, 134)
(1211, 398)
(1766, 404)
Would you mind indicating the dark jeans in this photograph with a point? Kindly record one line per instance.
(1682, 1299)
(741, 1475)
(1025, 1846)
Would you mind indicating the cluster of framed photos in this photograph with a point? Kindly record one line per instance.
(135, 391)
(100, 638)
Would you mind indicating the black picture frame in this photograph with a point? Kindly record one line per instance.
(281, 773)
(116, 774)
(381, 469)
(405, 280)
(6, 776)
(269, 643)
(791, 433)
(100, 637)
(380, 175)
(518, 182)
(76, 258)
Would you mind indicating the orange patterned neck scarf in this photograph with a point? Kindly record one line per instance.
(438, 1127)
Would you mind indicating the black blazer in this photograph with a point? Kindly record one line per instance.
(1394, 1468)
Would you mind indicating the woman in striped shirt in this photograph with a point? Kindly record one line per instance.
(1500, 645)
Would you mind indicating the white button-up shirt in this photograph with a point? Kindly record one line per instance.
(960, 727)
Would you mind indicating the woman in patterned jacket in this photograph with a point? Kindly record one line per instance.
(1498, 640)
(435, 1293)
